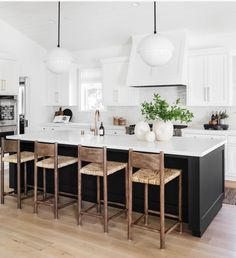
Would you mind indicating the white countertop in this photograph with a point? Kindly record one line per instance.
(176, 146)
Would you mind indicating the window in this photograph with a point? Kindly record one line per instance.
(90, 89)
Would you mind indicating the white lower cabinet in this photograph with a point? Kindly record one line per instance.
(231, 158)
(230, 151)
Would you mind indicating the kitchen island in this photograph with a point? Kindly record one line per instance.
(201, 161)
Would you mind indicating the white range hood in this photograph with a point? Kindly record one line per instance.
(171, 74)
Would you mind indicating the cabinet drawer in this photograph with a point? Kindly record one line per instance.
(232, 139)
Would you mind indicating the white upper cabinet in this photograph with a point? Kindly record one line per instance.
(115, 90)
(62, 88)
(209, 78)
(9, 77)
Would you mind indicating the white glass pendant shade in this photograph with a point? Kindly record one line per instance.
(155, 50)
(58, 60)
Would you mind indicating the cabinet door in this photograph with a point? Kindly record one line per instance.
(210, 78)
(62, 88)
(196, 81)
(217, 79)
(115, 90)
(231, 163)
(52, 98)
(67, 87)
(9, 77)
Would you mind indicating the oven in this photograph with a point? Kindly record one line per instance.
(8, 115)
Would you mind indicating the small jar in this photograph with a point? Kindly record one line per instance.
(121, 121)
(115, 120)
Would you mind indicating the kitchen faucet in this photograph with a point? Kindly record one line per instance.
(96, 120)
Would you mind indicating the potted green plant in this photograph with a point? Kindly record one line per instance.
(222, 116)
(162, 114)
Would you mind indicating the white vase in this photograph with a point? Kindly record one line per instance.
(163, 130)
(140, 129)
(150, 136)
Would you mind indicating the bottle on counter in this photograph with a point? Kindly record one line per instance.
(217, 118)
(101, 130)
(212, 116)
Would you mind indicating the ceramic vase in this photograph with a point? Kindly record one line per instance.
(163, 130)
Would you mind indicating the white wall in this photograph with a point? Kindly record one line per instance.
(30, 56)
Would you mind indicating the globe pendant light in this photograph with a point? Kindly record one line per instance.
(154, 49)
(58, 60)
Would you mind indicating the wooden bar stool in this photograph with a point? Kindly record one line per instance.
(99, 167)
(151, 171)
(51, 161)
(17, 157)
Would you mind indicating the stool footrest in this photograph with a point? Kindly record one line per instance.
(117, 214)
(167, 215)
(63, 205)
(172, 227)
(46, 201)
(99, 215)
(10, 193)
(13, 194)
(114, 203)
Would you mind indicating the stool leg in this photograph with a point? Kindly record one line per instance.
(126, 188)
(180, 204)
(2, 181)
(25, 179)
(79, 198)
(146, 204)
(162, 215)
(130, 208)
(98, 195)
(56, 193)
(18, 186)
(35, 189)
(44, 184)
(105, 204)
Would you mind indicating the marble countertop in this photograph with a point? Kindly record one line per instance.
(184, 146)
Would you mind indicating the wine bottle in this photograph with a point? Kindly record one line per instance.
(101, 130)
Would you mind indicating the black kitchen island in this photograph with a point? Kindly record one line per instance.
(201, 161)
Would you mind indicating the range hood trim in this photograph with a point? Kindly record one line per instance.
(159, 86)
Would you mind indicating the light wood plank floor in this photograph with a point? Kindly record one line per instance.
(230, 184)
(23, 234)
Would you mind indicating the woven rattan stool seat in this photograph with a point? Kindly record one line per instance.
(62, 162)
(96, 169)
(25, 156)
(152, 177)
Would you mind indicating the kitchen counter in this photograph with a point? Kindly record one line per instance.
(176, 146)
(200, 160)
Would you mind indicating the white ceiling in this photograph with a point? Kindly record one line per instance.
(99, 24)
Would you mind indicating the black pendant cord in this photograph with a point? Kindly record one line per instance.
(59, 25)
(155, 18)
